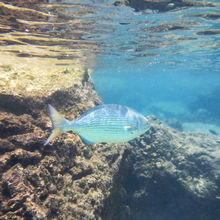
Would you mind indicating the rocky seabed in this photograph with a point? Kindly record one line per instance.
(164, 174)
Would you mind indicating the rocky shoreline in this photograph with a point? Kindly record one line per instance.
(163, 169)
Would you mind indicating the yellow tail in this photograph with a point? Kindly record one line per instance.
(57, 120)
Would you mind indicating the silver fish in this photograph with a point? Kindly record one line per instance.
(104, 123)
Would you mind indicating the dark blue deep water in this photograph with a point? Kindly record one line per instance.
(161, 63)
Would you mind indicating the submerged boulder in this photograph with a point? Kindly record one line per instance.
(167, 174)
(207, 106)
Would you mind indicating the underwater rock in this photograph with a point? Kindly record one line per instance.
(167, 174)
(202, 127)
(63, 180)
(164, 5)
(12, 11)
(175, 123)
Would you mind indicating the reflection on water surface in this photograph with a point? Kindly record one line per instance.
(41, 46)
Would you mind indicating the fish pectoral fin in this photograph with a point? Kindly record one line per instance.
(131, 129)
(128, 128)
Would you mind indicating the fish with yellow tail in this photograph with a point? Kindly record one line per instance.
(108, 123)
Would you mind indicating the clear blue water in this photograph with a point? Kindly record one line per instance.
(163, 64)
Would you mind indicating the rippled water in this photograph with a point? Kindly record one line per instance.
(165, 63)
(161, 62)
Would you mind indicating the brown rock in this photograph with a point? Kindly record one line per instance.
(65, 179)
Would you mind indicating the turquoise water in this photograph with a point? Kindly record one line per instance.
(163, 64)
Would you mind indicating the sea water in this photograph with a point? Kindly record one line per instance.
(162, 63)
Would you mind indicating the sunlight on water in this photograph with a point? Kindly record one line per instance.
(41, 47)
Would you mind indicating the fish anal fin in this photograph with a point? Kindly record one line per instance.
(85, 140)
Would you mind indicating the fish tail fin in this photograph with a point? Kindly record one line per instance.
(57, 120)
